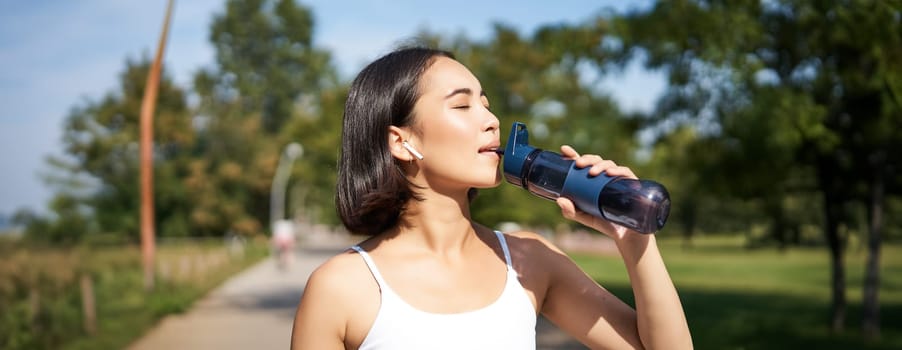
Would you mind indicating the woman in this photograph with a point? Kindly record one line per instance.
(418, 136)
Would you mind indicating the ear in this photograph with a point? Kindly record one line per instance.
(396, 138)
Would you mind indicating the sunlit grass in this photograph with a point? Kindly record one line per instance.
(736, 298)
(124, 310)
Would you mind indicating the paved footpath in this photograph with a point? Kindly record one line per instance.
(255, 310)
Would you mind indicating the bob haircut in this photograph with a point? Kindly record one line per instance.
(372, 190)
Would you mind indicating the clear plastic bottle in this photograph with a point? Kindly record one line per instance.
(641, 205)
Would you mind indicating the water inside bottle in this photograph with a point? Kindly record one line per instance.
(638, 204)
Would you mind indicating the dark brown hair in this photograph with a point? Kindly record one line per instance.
(371, 189)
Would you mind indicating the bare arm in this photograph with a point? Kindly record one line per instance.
(660, 317)
(658, 321)
(579, 306)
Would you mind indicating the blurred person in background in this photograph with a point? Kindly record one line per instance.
(283, 239)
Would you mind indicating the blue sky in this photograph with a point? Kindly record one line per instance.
(55, 55)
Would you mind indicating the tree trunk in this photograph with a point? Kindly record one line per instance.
(832, 210)
(774, 208)
(871, 305)
(838, 309)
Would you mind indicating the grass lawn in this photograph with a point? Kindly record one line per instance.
(736, 298)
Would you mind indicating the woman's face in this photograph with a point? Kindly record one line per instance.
(458, 131)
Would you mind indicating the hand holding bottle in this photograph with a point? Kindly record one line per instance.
(597, 166)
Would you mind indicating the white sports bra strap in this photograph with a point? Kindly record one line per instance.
(507, 253)
(371, 265)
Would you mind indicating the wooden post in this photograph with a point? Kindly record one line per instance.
(34, 308)
(88, 305)
(148, 104)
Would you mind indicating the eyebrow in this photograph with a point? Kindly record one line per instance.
(466, 91)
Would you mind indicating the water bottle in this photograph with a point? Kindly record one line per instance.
(641, 205)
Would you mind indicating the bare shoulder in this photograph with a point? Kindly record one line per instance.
(335, 295)
(338, 286)
(531, 243)
(536, 259)
(539, 256)
(341, 276)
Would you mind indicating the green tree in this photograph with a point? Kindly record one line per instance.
(318, 129)
(265, 59)
(267, 83)
(213, 164)
(97, 179)
(802, 95)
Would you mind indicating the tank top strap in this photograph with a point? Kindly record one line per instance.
(507, 253)
(371, 265)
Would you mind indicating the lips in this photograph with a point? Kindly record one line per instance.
(490, 149)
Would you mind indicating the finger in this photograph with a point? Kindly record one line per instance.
(620, 171)
(587, 160)
(602, 166)
(569, 152)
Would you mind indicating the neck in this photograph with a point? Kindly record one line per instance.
(440, 222)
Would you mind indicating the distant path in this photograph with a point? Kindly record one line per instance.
(255, 310)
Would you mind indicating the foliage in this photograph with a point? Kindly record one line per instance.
(265, 60)
(796, 100)
(268, 82)
(777, 92)
(97, 179)
(213, 161)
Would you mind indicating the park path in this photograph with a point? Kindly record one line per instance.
(255, 309)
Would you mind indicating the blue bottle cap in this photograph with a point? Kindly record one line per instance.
(515, 154)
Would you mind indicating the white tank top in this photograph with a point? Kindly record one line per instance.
(507, 323)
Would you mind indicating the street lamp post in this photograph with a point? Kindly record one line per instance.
(145, 158)
(280, 182)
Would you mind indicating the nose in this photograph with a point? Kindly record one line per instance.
(492, 123)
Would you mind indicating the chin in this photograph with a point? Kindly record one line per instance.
(491, 184)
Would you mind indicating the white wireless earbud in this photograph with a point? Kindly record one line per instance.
(413, 151)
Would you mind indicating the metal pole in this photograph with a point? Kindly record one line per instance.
(148, 104)
(280, 182)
